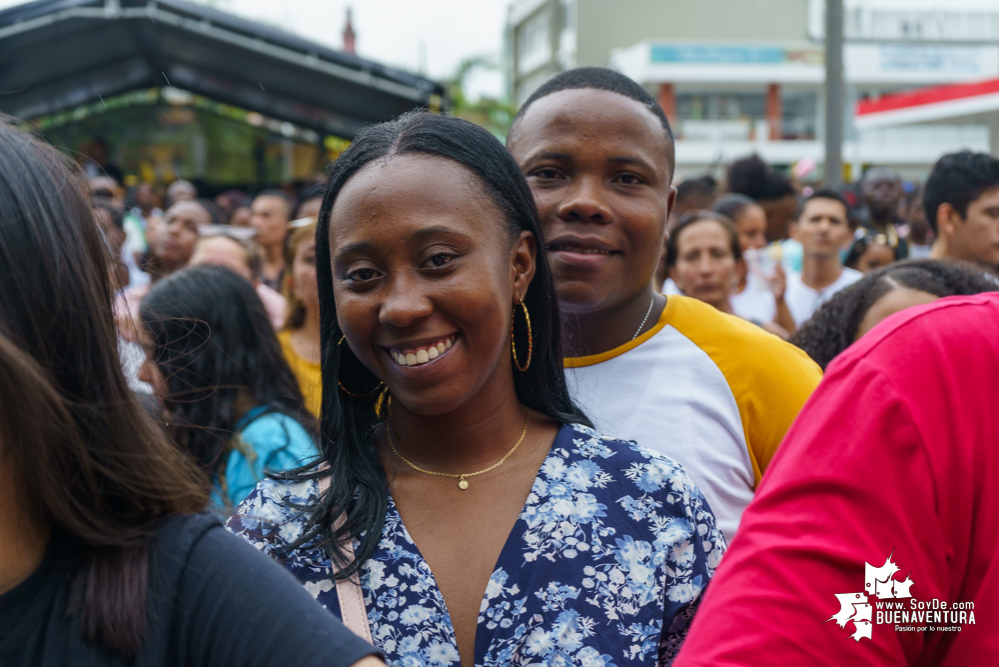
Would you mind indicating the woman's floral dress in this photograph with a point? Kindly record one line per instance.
(605, 565)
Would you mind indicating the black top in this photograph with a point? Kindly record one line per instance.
(212, 600)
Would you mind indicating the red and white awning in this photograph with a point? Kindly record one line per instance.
(927, 105)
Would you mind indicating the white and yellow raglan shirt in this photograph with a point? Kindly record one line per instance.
(710, 390)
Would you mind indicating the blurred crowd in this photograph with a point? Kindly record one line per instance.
(654, 355)
(768, 249)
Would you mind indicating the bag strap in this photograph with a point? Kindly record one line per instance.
(348, 591)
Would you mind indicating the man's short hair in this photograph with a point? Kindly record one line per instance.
(598, 78)
(289, 204)
(827, 193)
(958, 179)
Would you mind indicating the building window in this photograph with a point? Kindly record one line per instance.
(534, 46)
(800, 116)
(721, 106)
(720, 116)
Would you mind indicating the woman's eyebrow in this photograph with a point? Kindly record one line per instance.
(360, 247)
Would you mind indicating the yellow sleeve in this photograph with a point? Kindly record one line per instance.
(769, 378)
(309, 375)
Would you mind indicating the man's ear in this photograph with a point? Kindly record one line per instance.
(670, 203)
(523, 263)
(948, 219)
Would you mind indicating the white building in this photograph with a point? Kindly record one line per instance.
(737, 77)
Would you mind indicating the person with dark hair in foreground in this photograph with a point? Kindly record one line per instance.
(961, 198)
(104, 558)
(214, 362)
(873, 538)
(479, 503)
(671, 373)
(856, 309)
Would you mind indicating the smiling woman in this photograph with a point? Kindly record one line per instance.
(460, 482)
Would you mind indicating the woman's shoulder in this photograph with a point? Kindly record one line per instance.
(274, 515)
(650, 471)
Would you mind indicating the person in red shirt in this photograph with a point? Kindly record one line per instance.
(883, 496)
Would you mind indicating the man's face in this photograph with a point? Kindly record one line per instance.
(822, 227)
(882, 192)
(175, 245)
(976, 238)
(269, 216)
(599, 166)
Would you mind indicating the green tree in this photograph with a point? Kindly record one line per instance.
(492, 114)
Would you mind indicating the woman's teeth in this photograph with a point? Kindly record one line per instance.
(421, 355)
(578, 250)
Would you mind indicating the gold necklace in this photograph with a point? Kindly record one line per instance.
(462, 482)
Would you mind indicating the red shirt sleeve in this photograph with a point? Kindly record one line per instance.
(893, 456)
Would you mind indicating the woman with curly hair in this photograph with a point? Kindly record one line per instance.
(855, 310)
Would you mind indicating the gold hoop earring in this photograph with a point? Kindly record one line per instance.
(530, 340)
(348, 391)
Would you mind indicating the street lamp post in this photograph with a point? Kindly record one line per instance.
(834, 93)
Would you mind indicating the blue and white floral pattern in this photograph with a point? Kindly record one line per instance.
(605, 566)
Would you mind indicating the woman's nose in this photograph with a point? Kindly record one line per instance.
(404, 303)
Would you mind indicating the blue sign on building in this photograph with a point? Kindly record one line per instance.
(718, 54)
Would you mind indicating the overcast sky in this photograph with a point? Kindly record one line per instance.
(394, 32)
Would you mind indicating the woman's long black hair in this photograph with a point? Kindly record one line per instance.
(85, 459)
(211, 337)
(357, 481)
(834, 326)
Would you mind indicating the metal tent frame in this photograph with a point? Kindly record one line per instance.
(56, 55)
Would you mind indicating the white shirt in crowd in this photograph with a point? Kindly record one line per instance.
(670, 288)
(756, 302)
(802, 300)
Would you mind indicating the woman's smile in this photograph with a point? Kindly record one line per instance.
(422, 353)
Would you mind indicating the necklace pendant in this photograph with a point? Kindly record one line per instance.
(462, 484)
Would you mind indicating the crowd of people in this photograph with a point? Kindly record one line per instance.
(494, 405)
